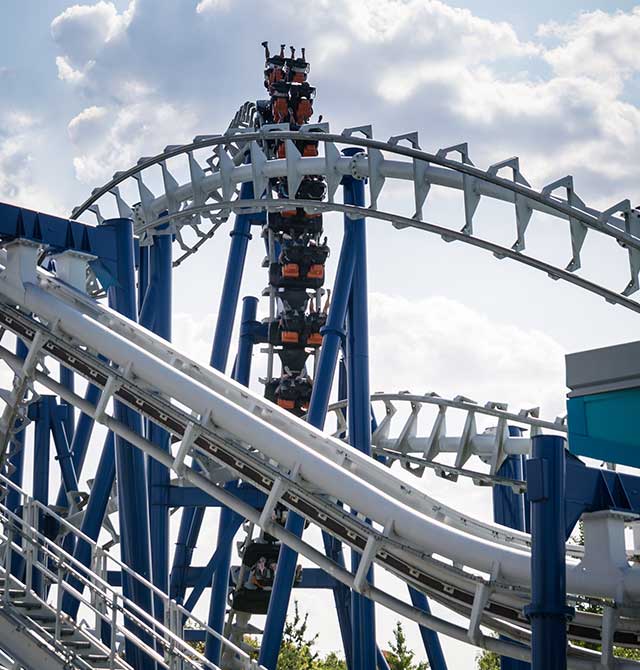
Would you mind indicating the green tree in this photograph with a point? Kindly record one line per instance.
(399, 656)
(331, 662)
(488, 660)
(296, 651)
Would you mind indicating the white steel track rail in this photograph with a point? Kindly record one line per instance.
(187, 202)
(296, 428)
(242, 441)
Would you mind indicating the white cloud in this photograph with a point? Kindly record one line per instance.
(597, 45)
(213, 5)
(20, 136)
(85, 29)
(419, 63)
(438, 344)
(106, 139)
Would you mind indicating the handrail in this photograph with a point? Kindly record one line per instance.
(39, 543)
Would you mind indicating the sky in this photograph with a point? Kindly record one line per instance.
(86, 89)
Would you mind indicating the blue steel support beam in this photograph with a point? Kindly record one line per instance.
(59, 234)
(57, 414)
(133, 498)
(333, 335)
(40, 413)
(80, 442)
(190, 523)
(181, 496)
(548, 611)
(67, 380)
(144, 261)
(16, 459)
(508, 510)
(158, 296)
(225, 538)
(359, 407)
(430, 638)
(228, 518)
(240, 236)
(93, 517)
(192, 517)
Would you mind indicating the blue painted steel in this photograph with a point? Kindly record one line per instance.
(67, 380)
(156, 316)
(312, 578)
(279, 601)
(242, 371)
(240, 236)
(133, 498)
(191, 519)
(93, 516)
(225, 538)
(508, 510)
(220, 583)
(63, 454)
(190, 523)
(40, 413)
(359, 407)
(228, 518)
(144, 262)
(548, 611)
(61, 234)
(16, 458)
(80, 442)
(595, 489)
(333, 335)
(430, 638)
(180, 496)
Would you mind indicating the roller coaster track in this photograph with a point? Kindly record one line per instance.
(476, 569)
(213, 193)
(219, 422)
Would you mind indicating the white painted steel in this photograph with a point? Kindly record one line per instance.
(299, 545)
(355, 482)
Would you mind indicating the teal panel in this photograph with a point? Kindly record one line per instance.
(606, 426)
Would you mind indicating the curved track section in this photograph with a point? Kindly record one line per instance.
(297, 466)
(212, 192)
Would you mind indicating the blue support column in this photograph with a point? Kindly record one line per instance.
(156, 316)
(144, 262)
(67, 380)
(430, 638)
(333, 335)
(509, 510)
(359, 407)
(17, 448)
(80, 442)
(191, 520)
(40, 413)
(133, 499)
(548, 611)
(240, 236)
(93, 516)
(57, 414)
(209, 570)
(228, 518)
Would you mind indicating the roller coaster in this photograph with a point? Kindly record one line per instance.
(86, 312)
